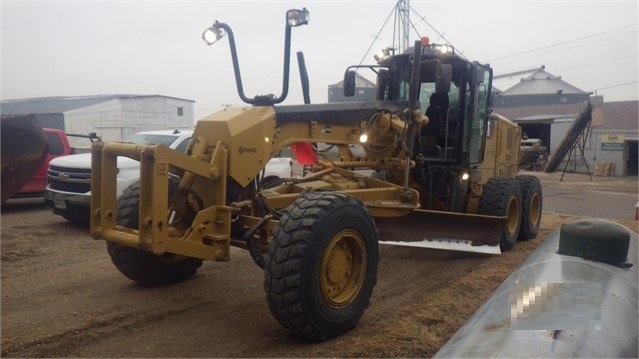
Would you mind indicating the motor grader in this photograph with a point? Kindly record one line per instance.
(444, 176)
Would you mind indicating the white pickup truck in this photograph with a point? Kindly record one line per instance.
(68, 190)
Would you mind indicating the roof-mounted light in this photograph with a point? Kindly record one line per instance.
(212, 34)
(295, 17)
(444, 49)
(384, 54)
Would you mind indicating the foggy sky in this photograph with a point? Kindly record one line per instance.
(52, 48)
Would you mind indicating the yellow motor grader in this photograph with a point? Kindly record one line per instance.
(443, 176)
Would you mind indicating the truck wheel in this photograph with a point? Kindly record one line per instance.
(501, 197)
(531, 199)
(141, 266)
(321, 266)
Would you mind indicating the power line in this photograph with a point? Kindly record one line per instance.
(568, 69)
(617, 85)
(560, 43)
(376, 37)
(562, 49)
(595, 63)
(423, 19)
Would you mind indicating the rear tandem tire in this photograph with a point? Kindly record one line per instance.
(532, 200)
(144, 267)
(321, 266)
(501, 197)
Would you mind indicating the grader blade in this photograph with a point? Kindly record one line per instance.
(443, 230)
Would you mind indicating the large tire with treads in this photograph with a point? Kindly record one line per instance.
(321, 266)
(501, 197)
(144, 267)
(531, 204)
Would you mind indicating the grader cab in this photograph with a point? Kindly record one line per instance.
(442, 178)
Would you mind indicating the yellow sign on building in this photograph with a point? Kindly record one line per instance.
(613, 138)
(612, 142)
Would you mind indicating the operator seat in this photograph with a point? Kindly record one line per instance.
(430, 135)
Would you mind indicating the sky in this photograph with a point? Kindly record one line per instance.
(77, 48)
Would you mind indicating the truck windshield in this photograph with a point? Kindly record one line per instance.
(142, 139)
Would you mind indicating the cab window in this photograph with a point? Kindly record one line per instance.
(477, 135)
(55, 144)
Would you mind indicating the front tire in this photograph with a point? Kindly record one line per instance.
(144, 267)
(322, 265)
(501, 197)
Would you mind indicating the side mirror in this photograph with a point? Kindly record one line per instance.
(435, 71)
(382, 83)
(429, 70)
(349, 83)
(442, 85)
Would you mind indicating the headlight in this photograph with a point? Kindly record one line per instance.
(296, 17)
(212, 34)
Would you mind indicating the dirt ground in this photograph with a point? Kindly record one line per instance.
(62, 297)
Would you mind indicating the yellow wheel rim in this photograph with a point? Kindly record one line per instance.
(534, 212)
(513, 216)
(343, 268)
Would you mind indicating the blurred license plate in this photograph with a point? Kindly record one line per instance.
(59, 203)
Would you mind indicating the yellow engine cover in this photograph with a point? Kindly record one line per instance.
(247, 133)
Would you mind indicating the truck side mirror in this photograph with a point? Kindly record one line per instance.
(382, 84)
(349, 83)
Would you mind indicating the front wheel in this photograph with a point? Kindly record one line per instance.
(322, 265)
(144, 267)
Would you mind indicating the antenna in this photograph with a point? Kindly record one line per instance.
(402, 24)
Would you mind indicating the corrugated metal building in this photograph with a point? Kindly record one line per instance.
(611, 141)
(616, 140)
(545, 107)
(540, 88)
(114, 117)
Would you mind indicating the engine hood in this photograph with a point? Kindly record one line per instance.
(83, 160)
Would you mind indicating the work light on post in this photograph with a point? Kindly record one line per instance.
(295, 17)
(213, 33)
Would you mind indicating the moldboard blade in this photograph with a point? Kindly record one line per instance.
(443, 230)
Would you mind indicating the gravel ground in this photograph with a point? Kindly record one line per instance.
(62, 297)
